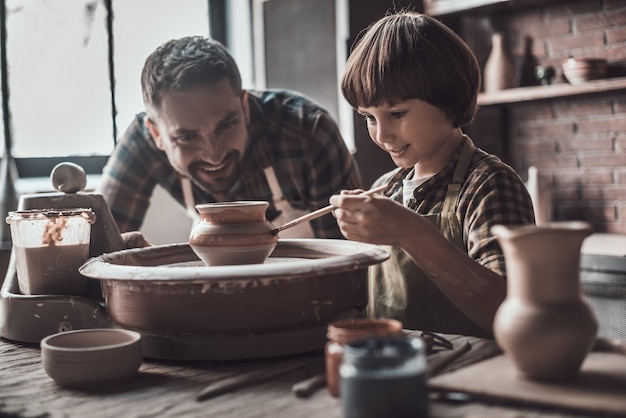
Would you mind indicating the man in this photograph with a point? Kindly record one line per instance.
(205, 139)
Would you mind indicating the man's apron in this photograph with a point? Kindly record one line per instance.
(422, 305)
(287, 213)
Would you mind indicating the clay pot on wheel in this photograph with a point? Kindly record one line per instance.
(233, 233)
(544, 325)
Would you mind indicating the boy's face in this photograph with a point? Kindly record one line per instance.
(414, 133)
(203, 132)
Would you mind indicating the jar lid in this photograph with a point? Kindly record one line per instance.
(383, 352)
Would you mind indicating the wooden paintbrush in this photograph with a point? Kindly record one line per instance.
(321, 212)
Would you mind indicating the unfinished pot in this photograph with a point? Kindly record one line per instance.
(544, 325)
(231, 233)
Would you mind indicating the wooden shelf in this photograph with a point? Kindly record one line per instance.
(443, 7)
(527, 94)
(446, 7)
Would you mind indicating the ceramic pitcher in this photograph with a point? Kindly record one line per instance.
(544, 325)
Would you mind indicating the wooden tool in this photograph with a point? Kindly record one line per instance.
(243, 380)
(435, 366)
(307, 387)
(321, 212)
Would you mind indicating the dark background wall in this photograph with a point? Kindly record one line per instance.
(577, 143)
(300, 54)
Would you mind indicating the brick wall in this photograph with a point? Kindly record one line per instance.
(577, 143)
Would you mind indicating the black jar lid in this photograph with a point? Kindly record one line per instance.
(382, 352)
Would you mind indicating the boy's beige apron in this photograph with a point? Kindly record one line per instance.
(287, 213)
(399, 289)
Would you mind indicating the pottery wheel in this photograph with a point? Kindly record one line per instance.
(186, 310)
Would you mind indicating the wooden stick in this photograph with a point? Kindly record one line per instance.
(307, 387)
(436, 365)
(321, 212)
(243, 380)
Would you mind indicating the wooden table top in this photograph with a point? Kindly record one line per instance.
(170, 389)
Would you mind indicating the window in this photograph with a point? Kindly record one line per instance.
(60, 97)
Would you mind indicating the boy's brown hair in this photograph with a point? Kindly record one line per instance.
(409, 55)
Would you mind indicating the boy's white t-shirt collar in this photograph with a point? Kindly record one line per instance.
(409, 185)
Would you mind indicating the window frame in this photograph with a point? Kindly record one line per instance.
(37, 167)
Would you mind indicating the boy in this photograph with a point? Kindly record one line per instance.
(415, 82)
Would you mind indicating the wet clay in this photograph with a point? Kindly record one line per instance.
(53, 230)
(49, 248)
(52, 269)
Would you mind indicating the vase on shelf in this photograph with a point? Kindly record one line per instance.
(545, 326)
(499, 73)
(527, 70)
(540, 194)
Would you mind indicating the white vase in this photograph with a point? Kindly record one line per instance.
(499, 72)
(540, 195)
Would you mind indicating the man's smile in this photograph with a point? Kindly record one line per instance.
(211, 168)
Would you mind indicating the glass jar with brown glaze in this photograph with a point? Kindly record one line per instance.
(342, 332)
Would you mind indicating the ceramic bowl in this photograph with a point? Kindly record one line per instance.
(580, 70)
(91, 357)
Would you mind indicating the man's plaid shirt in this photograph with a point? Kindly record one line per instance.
(295, 136)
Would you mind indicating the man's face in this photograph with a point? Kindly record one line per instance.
(203, 132)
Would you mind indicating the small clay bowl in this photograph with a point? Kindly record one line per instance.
(580, 70)
(90, 358)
